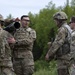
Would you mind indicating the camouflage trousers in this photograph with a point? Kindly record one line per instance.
(6, 71)
(21, 69)
(63, 67)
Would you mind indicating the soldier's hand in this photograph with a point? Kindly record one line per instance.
(17, 19)
(49, 44)
(73, 65)
(11, 40)
(47, 57)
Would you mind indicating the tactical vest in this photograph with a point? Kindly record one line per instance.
(65, 48)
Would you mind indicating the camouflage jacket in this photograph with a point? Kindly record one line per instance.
(5, 51)
(72, 45)
(60, 43)
(24, 41)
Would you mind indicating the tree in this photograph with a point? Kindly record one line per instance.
(73, 6)
(9, 16)
(42, 23)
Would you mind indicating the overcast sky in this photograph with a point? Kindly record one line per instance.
(20, 7)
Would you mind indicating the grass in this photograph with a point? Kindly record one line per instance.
(44, 68)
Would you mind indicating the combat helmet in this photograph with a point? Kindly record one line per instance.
(1, 18)
(60, 16)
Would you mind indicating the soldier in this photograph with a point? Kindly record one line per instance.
(61, 46)
(23, 57)
(72, 46)
(6, 67)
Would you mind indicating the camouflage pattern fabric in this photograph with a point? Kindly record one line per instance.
(60, 39)
(72, 53)
(23, 57)
(5, 54)
(6, 71)
(21, 68)
(72, 46)
(57, 47)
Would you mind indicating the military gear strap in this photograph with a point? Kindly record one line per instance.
(65, 48)
(69, 32)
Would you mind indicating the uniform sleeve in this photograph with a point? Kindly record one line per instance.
(33, 34)
(26, 41)
(7, 37)
(2, 46)
(29, 40)
(72, 45)
(58, 42)
(4, 43)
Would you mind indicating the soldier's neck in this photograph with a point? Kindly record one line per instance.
(25, 27)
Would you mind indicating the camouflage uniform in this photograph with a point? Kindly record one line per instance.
(23, 57)
(60, 48)
(6, 67)
(72, 46)
(72, 53)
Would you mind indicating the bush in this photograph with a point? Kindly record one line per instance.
(41, 64)
(44, 68)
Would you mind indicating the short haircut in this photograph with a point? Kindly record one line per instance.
(73, 19)
(24, 16)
